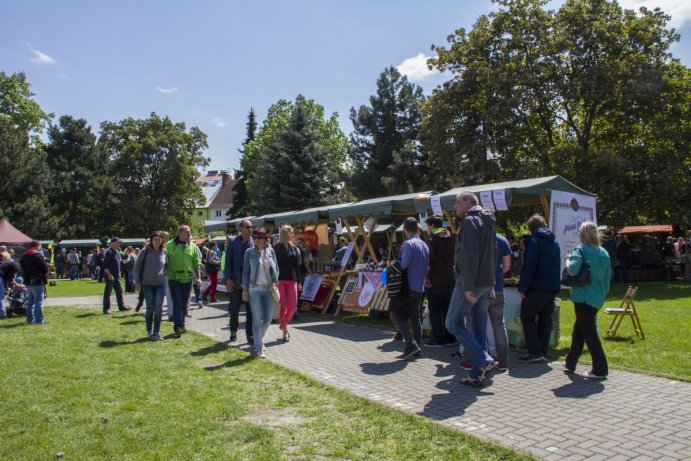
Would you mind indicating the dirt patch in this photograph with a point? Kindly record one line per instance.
(277, 418)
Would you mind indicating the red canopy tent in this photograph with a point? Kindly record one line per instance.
(654, 229)
(11, 237)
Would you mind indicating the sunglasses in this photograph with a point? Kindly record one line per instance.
(259, 237)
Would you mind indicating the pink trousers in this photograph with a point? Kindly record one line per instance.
(289, 301)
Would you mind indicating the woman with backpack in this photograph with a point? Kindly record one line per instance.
(587, 300)
(150, 277)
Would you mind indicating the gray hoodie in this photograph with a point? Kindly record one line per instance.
(478, 249)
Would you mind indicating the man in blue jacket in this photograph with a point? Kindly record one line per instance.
(540, 282)
(235, 257)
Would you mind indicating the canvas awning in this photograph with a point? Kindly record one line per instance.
(80, 243)
(655, 229)
(10, 235)
(521, 192)
(379, 229)
(406, 204)
(47, 242)
(211, 226)
(132, 242)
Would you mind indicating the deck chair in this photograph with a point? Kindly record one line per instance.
(626, 308)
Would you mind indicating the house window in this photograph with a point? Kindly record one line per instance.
(218, 213)
(200, 213)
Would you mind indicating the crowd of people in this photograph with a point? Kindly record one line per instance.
(461, 277)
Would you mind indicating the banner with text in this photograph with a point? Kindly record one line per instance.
(567, 213)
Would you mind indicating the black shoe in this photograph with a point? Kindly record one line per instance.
(138, 308)
(532, 358)
(456, 355)
(409, 352)
(233, 337)
(433, 344)
(488, 370)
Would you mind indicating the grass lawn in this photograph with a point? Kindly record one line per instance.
(88, 386)
(665, 313)
(66, 288)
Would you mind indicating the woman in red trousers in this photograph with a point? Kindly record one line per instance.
(289, 260)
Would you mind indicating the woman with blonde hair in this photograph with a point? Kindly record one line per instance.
(289, 261)
(587, 300)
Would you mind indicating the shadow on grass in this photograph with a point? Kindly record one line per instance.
(13, 325)
(131, 322)
(88, 314)
(214, 349)
(109, 344)
(232, 363)
(578, 388)
(620, 339)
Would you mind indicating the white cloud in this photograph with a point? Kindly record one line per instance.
(416, 68)
(219, 122)
(166, 90)
(40, 57)
(679, 10)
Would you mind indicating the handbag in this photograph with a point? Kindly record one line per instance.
(580, 279)
(275, 294)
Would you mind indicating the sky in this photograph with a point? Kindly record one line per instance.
(207, 63)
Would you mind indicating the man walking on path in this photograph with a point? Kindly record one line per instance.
(476, 263)
(111, 272)
(35, 273)
(540, 282)
(496, 303)
(440, 280)
(232, 271)
(414, 261)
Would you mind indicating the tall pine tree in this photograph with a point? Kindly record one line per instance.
(386, 154)
(240, 196)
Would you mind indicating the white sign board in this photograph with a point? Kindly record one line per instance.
(436, 205)
(499, 196)
(346, 256)
(567, 213)
(311, 287)
(486, 199)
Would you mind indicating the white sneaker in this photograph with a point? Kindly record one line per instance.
(200, 305)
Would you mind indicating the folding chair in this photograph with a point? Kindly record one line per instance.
(626, 308)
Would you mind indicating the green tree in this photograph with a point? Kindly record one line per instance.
(298, 159)
(81, 187)
(240, 196)
(24, 183)
(574, 92)
(155, 164)
(386, 155)
(17, 108)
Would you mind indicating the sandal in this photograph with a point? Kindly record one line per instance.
(470, 381)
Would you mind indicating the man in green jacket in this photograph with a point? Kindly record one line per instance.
(182, 269)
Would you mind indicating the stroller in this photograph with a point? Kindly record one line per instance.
(17, 299)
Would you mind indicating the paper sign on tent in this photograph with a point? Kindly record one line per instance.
(500, 199)
(436, 205)
(486, 199)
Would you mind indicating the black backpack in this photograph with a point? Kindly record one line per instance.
(395, 279)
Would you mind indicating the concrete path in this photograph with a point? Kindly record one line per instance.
(533, 407)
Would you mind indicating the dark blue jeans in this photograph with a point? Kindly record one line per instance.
(439, 298)
(536, 317)
(153, 295)
(110, 284)
(180, 292)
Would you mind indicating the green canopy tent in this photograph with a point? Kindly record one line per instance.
(85, 243)
(125, 242)
(524, 192)
(214, 226)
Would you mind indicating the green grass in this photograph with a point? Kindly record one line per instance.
(74, 288)
(665, 313)
(91, 387)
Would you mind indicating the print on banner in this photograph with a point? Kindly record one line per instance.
(568, 212)
(311, 287)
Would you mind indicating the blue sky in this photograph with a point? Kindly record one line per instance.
(206, 63)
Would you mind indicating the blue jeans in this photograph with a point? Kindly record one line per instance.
(180, 296)
(261, 304)
(34, 305)
(110, 284)
(74, 271)
(3, 314)
(153, 296)
(475, 345)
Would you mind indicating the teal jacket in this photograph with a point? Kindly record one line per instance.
(600, 273)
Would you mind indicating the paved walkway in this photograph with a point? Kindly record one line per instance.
(533, 407)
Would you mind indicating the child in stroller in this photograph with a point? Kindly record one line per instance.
(17, 298)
